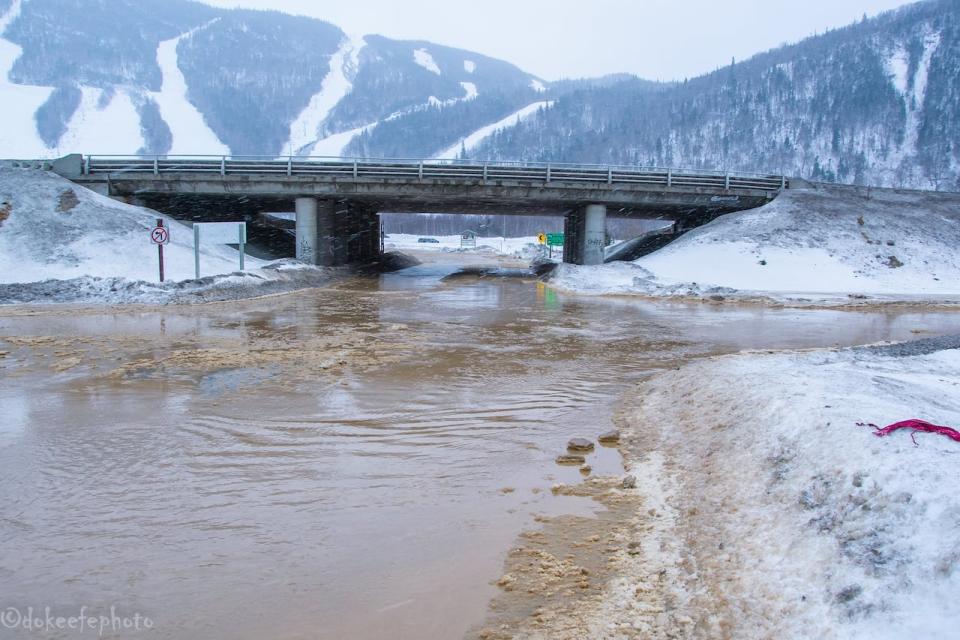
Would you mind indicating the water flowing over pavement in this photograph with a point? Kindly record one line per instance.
(347, 462)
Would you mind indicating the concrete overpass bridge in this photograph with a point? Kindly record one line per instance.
(337, 201)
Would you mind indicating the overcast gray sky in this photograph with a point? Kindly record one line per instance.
(655, 39)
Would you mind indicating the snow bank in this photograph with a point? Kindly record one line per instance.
(783, 518)
(827, 243)
(56, 229)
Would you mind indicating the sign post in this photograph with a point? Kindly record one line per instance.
(160, 235)
(218, 233)
(554, 240)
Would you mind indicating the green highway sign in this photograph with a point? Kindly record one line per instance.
(555, 239)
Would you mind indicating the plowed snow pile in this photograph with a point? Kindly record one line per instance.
(776, 516)
(824, 242)
(60, 242)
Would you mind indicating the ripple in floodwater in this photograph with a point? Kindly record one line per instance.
(354, 462)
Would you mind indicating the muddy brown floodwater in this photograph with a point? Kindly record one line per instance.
(355, 462)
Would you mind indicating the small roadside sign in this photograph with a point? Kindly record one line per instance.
(555, 239)
(160, 234)
(542, 238)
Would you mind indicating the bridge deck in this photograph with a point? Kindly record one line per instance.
(418, 170)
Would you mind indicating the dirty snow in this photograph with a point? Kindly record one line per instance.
(483, 133)
(18, 135)
(775, 515)
(824, 244)
(338, 83)
(191, 134)
(423, 58)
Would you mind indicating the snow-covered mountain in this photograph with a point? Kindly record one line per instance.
(175, 76)
(872, 103)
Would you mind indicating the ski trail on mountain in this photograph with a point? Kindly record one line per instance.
(191, 134)
(336, 86)
(105, 122)
(18, 135)
(478, 136)
(333, 145)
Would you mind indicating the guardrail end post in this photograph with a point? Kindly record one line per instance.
(783, 182)
(86, 166)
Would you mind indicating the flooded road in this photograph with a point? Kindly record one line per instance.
(344, 463)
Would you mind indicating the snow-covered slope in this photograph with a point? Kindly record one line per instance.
(305, 130)
(18, 135)
(189, 131)
(478, 136)
(52, 228)
(780, 517)
(836, 241)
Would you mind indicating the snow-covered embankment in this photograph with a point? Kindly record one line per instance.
(774, 515)
(60, 242)
(824, 244)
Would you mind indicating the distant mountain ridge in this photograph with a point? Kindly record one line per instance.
(872, 103)
(160, 76)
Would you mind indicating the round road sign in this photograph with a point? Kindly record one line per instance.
(160, 235)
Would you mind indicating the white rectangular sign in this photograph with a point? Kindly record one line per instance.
(222, 232)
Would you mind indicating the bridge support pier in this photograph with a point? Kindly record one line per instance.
(334, 233)
(585, 234)
(306, 225)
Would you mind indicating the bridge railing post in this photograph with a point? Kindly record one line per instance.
(669, 178)
(223, 165)
(156, 165)
(289, 165)
(726, 182)
(783, 182)
(486, 172)
(356, 170)
(609, 175)
(548, 173)
(420, 172)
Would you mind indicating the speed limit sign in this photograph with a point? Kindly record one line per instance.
(160, 235)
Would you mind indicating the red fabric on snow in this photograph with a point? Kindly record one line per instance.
(915, 425)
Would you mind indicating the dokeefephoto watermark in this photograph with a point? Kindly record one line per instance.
(85, 620)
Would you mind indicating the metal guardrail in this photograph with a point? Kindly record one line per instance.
(400, 169)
